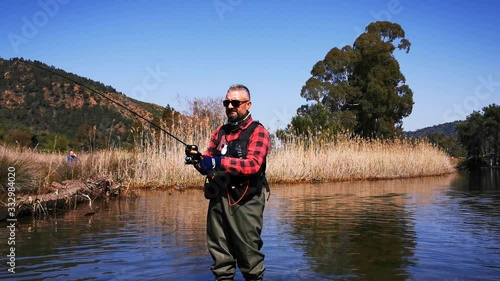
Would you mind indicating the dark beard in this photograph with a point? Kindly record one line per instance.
(233, 120)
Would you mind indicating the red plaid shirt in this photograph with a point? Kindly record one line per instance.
(258, 147)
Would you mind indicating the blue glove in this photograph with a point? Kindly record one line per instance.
(209, 163)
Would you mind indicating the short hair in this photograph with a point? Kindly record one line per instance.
(236, 87)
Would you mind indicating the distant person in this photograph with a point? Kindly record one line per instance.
(71, 157)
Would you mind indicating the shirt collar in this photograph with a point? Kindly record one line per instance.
(239, 125)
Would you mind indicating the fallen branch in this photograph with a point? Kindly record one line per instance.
(62, 195)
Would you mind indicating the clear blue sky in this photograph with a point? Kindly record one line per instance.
(157, 51)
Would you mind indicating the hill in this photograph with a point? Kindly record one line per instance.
(447, 129)
(442, 135)
(44, 110)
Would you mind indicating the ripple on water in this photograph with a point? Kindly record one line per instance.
(420, 229)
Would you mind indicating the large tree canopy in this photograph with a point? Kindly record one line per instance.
(480, 133)
(359, 88)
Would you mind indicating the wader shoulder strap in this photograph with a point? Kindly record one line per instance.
(246, 135)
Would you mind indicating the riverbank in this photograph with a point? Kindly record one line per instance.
(33, 175)
(162, 166)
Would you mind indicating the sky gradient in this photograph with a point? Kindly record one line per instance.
(166, 51)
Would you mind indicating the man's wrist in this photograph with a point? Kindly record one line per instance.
(216, 161)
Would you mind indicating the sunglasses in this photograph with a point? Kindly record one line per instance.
(234, 103)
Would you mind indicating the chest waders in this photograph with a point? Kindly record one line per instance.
(234, 225)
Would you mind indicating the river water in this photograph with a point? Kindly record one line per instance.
(439, 228)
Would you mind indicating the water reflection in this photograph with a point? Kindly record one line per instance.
(362, 230)
(483, 180)
(441, 228)
(154, 235)
(459, 234)
(478, 201)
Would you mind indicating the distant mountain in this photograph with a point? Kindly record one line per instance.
(444, 136)
(44, 109)
(448, 129)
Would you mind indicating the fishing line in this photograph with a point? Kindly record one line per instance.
(108, 98)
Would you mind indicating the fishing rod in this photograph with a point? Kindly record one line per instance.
(193, 159)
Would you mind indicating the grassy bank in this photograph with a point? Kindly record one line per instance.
(160, 163)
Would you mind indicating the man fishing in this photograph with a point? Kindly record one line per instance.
(235, 164)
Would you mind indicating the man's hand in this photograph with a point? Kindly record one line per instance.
(209, 163)
(193, 156)
(191, 149)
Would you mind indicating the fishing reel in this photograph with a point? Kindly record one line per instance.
(192, 159)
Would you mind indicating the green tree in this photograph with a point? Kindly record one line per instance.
(18, 137)
(449, 144)
(492, 129)
(359, 88)
(57, 142)
(312, 119)
(470, 134)
(480, 134)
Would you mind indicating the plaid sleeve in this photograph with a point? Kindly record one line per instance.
(258, 147)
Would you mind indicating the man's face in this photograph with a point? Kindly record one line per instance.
(237, 113)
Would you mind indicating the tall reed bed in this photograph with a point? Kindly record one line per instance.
(342, 159)
(160, 162)
(23, 168)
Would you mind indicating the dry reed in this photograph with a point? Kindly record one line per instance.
(355, 159)
(159, 163)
